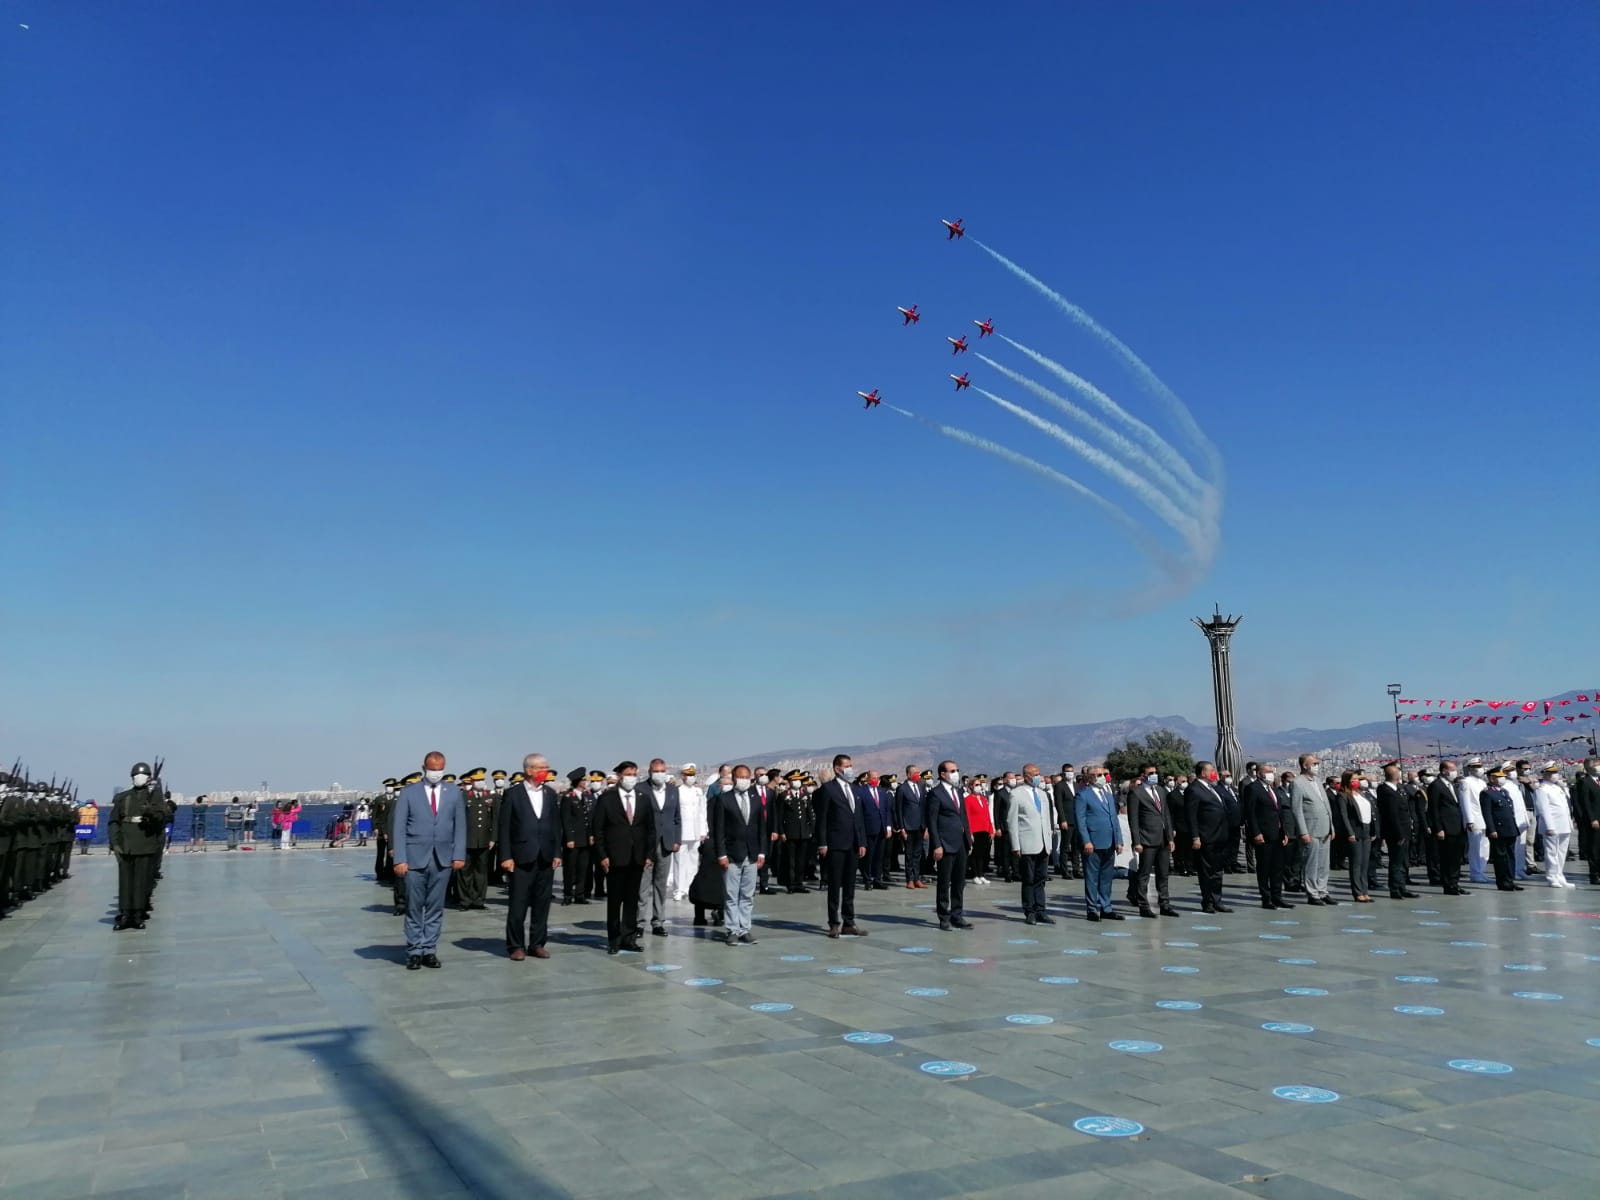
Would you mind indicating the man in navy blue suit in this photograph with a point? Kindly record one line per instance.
(430, 841)
(528, 835)
(950, 837)
(1094, 811)
(842, 843)
(877, 815)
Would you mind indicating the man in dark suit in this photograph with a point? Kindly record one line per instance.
(1150, 826)
(1269, 824)
(951, 840)
(1209, 828)
(624, 838)
(1069, 854)
(1394, 823)
(1449, 828)
(739, 840)
(910, 822)
(662, 794)
(1586, 815)
(842, 843)
(528, 835)
(877, 817)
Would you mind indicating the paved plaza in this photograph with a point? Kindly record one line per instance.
(262, 1039)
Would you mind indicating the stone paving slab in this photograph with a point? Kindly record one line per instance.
(260, 1039)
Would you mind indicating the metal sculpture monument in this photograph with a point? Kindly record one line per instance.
(1218, 631)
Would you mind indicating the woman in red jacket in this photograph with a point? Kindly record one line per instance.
(980, 819)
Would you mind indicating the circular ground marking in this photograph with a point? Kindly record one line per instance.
(1391, 950)
(1288, 1027)
(1555, 936)
(1116, 934)
(1181, 970)
(1479, 1066)
(844, 970)
(1030, 1019)
(1595, 1042)
(1505, 918)
(1362, 917)
(948, 1068)
(966, 962)
(1426, 912)
(1418, 1010)
(1302, 1094)
(1435, 924)
(1305, 991)
(1591, 958)
(771, 1006)
(1058, 980)
(1524, 967)
(1274, 937)
(1128, 1046)
(1286, 922)
(798, 958)
(916, 949)
(663, 967)
(1415, 979)
(1538, 996)
(1358, 929)
(1022, 941)
(702, 981)
(1180, 1005)
(863, 1038)
(1298, 962)
(1079, 950)
(1469, 944)
(925, 993)
(1108, 1126)
(1184, 945)
(1205, 928)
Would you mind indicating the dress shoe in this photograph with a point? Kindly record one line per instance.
(1111, 915)
(399, 910)
(1170, 912)
(518, 955)
(613, 949)
(944, 926)
(1517, 887)
(540, 952)
(922, 885)
(833, 931)
(853, 930)
(1313, 902)
(961, 923)
(749, 939)
(633, 945)
(1208, 908)
(699, 920)
(1330, 902)
(1268, 904)
(805, 891)
(119, 925)
(1045, 919)
(1282, 904)
(583, 900)
(1091, 915)
(414, 963)
(431, 960)
(1410, 896)
(658, 931)
(767, 891)
(1030, 919)
(1222, 908)
(565, 902)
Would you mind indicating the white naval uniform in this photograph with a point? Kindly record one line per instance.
(692, 808)
(1469, 793)
(1555, 823)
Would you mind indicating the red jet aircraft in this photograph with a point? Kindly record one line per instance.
(957, 345)
(871, 398)
(962, 381)
(910, 315)
(955, 229)
(985, 327)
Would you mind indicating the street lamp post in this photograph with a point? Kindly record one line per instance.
(1394, 698)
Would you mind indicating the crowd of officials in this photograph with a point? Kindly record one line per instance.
(636, 840)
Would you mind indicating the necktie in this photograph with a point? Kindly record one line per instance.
(744, 807)
(627, 805)
(433, 799)
(850, 795)
(1155, 794)
(1038, 804)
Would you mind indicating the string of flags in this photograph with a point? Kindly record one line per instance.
(1498, 752)
(1585, 706)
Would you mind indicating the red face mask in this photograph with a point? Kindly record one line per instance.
(1212, 778)
(539, 777)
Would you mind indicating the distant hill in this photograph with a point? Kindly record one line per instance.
(991, 746)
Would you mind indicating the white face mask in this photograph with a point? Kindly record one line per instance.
(955, 781)
(742, 785)
(597, 785)
(629, 782)
(847, 774)
(433, 776)
(140, 779)
(658, 777)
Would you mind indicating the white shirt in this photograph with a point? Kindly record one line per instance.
(536, 798)
(1363, 809)
(1550, 802)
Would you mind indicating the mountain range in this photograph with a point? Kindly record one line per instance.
(997, 746)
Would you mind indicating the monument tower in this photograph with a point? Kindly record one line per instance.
(1218, 630)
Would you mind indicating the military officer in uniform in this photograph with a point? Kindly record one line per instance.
(1500, 825)
(382, 806)
(577, 803)
(138, 819)
(397, 882)
(472, 882)
(797, 827)
(497, 790)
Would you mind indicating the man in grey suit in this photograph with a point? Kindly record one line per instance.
(430, 840)
(1029, 824)
(1313, 815)
(663, 796)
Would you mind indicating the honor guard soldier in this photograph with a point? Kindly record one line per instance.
(382, 806)
(577, 807)
(398, 882)
(473, 880)
(138, 818)
(10, 810)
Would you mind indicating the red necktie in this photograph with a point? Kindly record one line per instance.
(433, 799)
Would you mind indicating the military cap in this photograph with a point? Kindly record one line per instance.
(795, 776)
(597, 776)
(474, 775)
(519, 777)
(577, 775)
(1550, 768)
(497, 774)
(1497, 772)
(414, 777)
(389, 783)
(449, 779)
(1474, 762)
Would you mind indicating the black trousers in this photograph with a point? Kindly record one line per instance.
(472, 882)
(1452, 848)
(1211, 858)
(531, 887)
(872, 865)
(382, 865)
(575, 873)
(792, 871)
(914, 846)
(1399, 868)
(1589, 849)
(951, 871)
(1500, 851)
(1271, 855)
(135, 879)
(1000, 848)
(1429, 845)
(622, 902)
(1034, 869)
(840, 868)
(1155, 860)
(980, 855)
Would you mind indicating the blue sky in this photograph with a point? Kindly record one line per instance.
(382, 376)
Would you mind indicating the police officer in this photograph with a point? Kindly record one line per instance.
(138, 822)
(473, 879)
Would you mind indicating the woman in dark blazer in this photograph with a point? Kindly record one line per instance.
(1352, 824)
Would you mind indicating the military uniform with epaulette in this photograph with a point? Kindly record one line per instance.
(473, 879)
(382, 805)
(577, 836)
(138, 824)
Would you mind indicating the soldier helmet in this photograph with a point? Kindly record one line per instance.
(139, 768)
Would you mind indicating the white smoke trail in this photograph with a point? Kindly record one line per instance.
(1185, 492)
(1192, 532)
(1181, 573)
(1158, 445)
(1179, 410)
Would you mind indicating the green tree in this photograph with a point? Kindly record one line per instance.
(1172, 755)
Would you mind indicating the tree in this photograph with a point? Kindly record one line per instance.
(1172, 755)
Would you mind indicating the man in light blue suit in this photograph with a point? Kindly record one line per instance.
(1095, 810)
(429, 840)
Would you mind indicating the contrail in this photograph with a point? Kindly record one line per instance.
(1158, 445)
(1189, 492)
(1158, 502)
(1179, 410)
(1153, 548)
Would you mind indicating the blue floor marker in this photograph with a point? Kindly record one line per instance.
(1131, 1046)
(663, 967)
(1181, 970)
(1415, 979)
(1030, 1019)
(1108, 1126)
(1058, 980)
(862, 1038)
(1479, 1066)
(798, 958)
(1301, 1094)
(1418, 1010)
(1288, 1027)
(916, 949)
(1180, 1005)
(771, 1006)
(844, 970)
(1298, 962)
(948, 1068)
(1305, 991)
(702, 981)
(924, 993)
